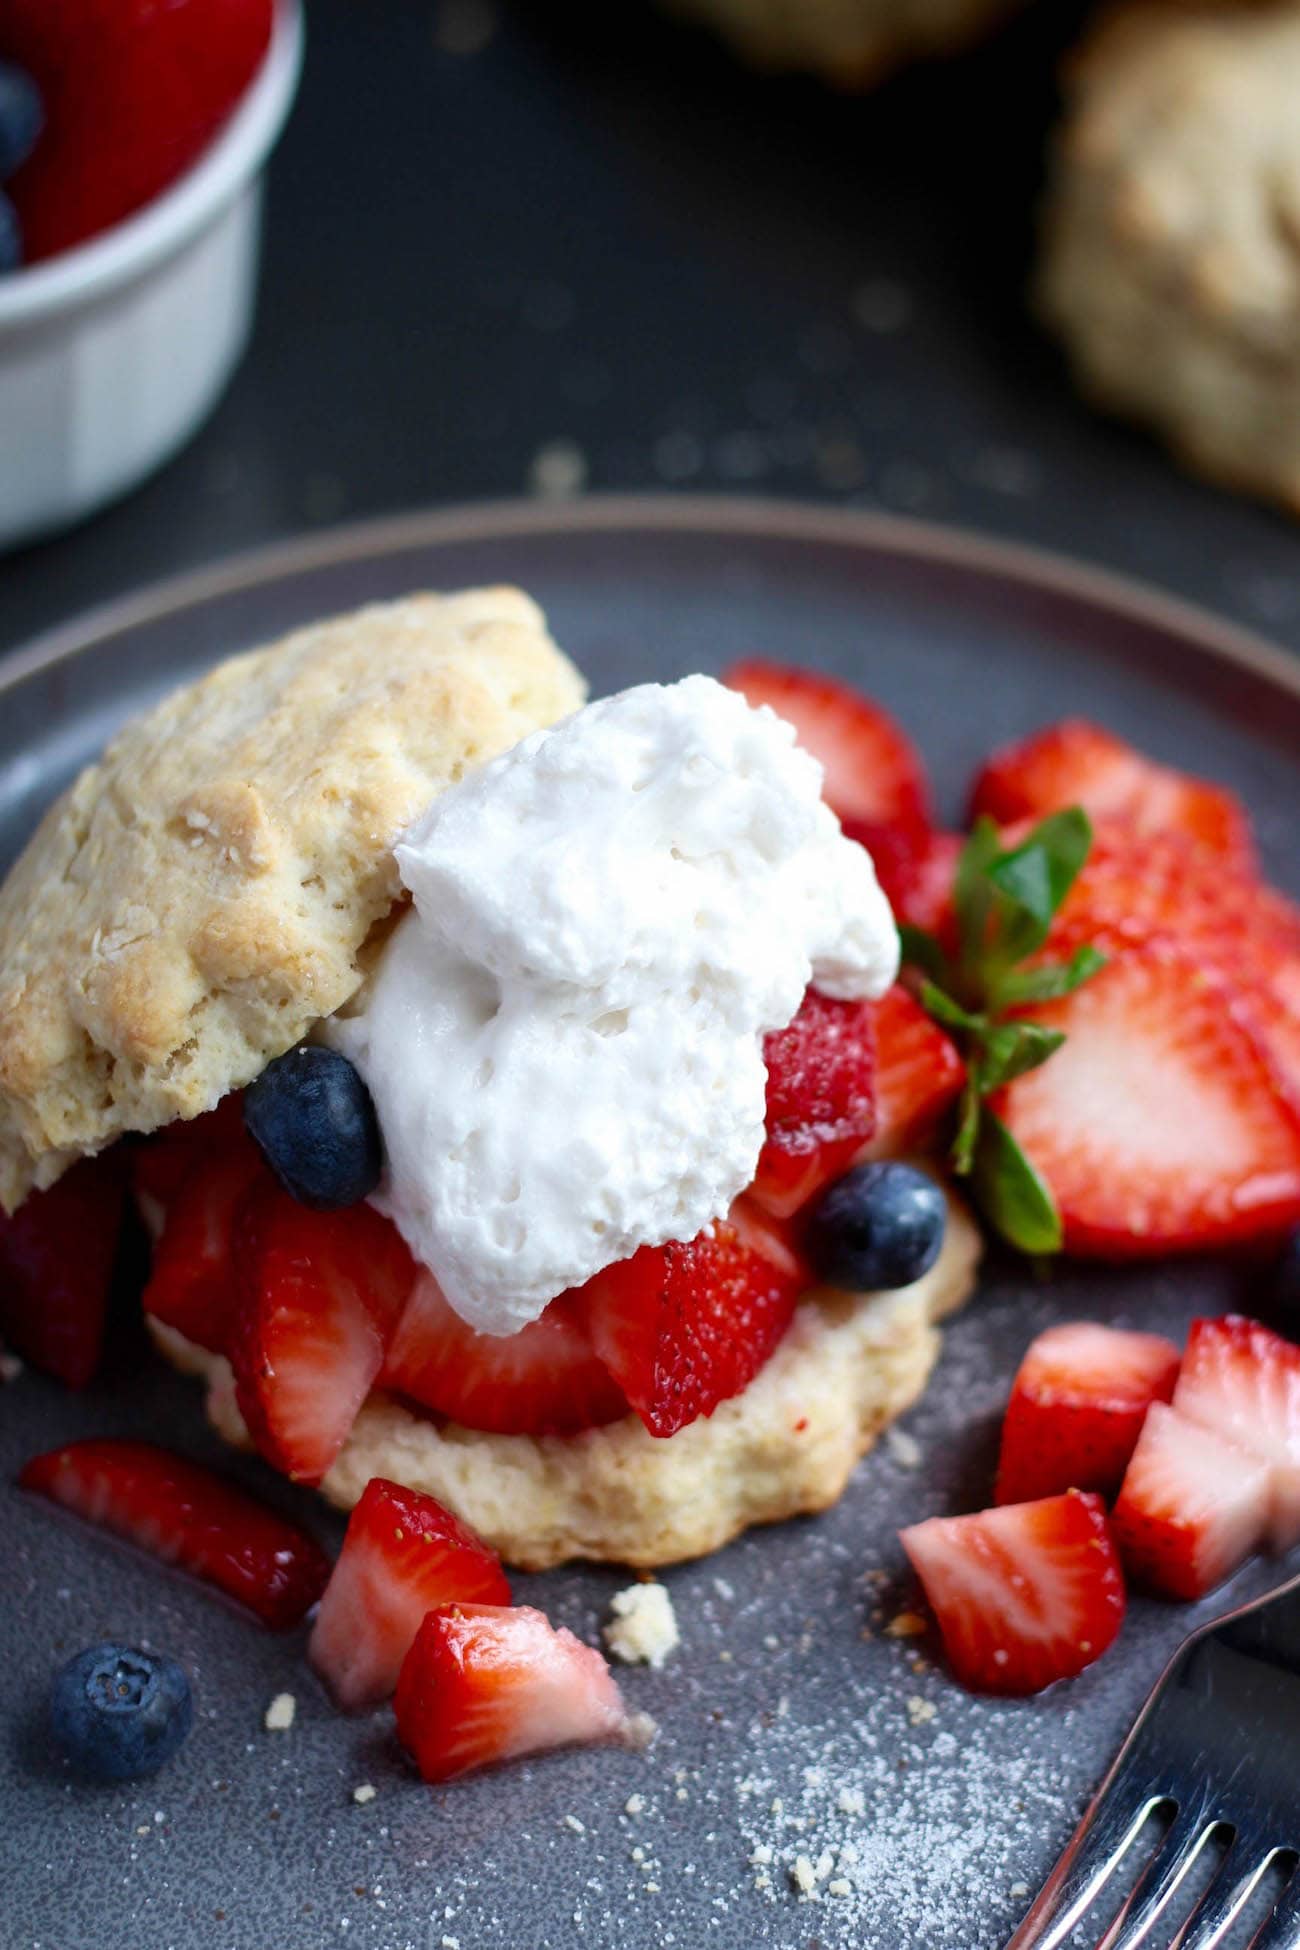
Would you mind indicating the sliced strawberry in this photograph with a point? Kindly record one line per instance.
(1077, 1407)
(1078, 764)
(320, 1295)
(1243, 1382)
(403, 1555)
(160, 1163)
(873, 772)
(684, 1327)
(916, 868)
(1161, 1123)
(487, 1683)
(192, 1283)
(1024, 1595)
(821, 1106)
(546, 1379)
(1193, 1506)
(919, 1075)
(181, 1513)
(56, 1269)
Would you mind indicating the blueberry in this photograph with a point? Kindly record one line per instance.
(118, 1713)
(313, 1120)
(879, 1226)
(11, 236)
(22, 117)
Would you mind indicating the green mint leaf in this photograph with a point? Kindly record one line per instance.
(962, 1155)
(1046, 983)
(941, 1006)
(1011, 1048)
(972, 893)
(1034, 878)
(924, 952)
(1011, 1193)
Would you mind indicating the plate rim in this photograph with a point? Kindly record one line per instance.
(1047, 571)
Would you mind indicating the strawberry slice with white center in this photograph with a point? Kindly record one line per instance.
(684, 1327)
(1161, 1123)
(56, 1269)
(919, 1075)
(403, 1556)
(821, 1106)
(320, 1295)
(916, 868)
(1077, 1407)
(192, 1283)
(488, 1683)
(545, 1379)
(873, 774)
(181, 1513)
(1243, 1381)
(1192, 1508)
(1024, 1595)
(1076, 763)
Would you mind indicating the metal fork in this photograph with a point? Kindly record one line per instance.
(1217, 1747)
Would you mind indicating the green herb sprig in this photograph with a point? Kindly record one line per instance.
(1005, 901)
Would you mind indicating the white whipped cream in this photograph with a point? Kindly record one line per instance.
(563, 1035)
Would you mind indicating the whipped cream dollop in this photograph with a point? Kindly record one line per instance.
(563, 1035)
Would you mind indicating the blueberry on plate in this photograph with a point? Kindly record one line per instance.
(879, 1226)
(118, 1713)
(11, 236)
(313, 1120)
(22, 117)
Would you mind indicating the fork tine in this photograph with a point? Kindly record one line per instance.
(1100, 1843)
(1281, 1931)
(1159, 1882)
(1223, 1901)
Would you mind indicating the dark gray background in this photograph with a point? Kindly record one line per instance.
(595, 229)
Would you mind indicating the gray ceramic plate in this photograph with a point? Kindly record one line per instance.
(788, 1727)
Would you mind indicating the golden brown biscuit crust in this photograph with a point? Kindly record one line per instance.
(201, 895)
(851, 43)
(1171, 255)
(849, 1366)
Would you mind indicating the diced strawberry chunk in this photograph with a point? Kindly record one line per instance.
(181, 1513)
(546, 1379)
(872, 770)
(821, 1106)
(161, 1162)
(1025, 1594)
(1243, 1381)
(193, 1285)
(56, 1269)
(320, 1295)
(1077, 1407)
(684, 1327)
(1078, 764)
(488, 1683)
(919, 1075)
(403, 1556)
(1161, 1123)
(1192, 1508)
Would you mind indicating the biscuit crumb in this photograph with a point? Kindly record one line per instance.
(803, 1875)
(1018, 1889)
(634, 1805)
(851, 1801)
(363, 1794)
(558, 471)
(904, 1448)
(643, 1629)
(578, 1827)
(841, 1886)
(279, 1715)
(920, 1710)
(906, 1625)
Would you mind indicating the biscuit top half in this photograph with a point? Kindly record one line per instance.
(202, 895)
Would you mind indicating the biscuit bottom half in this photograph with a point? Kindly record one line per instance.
(850, 1364)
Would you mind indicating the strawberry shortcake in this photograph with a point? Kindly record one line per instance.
(519, 1091)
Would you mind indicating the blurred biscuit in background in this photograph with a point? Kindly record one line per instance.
(1171, 245)
(850, 43)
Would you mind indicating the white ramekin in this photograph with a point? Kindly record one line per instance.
(112, 354)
